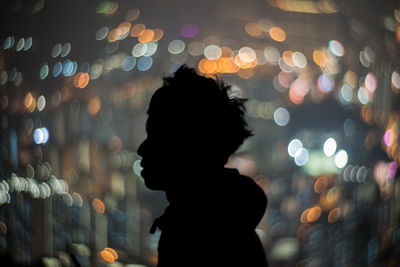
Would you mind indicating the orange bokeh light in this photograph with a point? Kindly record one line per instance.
(334, 215)
(113, 252)
(277, 34)
(81, 79)
(137, 30)
(98, 205)
(146, 36)
(320, 184)
(314, 214)
(253, 29)
(107, 256)
(287, 58)
(319, 58)
(94, 106)
(124, 27)
(158, 34)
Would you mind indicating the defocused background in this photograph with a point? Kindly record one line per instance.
(322, 79)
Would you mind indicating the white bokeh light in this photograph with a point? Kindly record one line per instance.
(281, 116)
(341, 159)
(330, 147)
(301, 157)
(293, 146)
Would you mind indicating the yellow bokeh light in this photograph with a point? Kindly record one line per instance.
(277, 34)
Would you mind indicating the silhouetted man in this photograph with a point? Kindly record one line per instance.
(192, 129)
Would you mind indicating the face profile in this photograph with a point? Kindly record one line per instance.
(193, 127)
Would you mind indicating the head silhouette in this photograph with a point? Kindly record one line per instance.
(193, 126)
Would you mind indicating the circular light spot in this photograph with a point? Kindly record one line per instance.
(137, 30)
(325, 83)
(139, 50)
(3, 77)
(28, 43)
(301, 157)
(294, 146)
(66, 48)
(346, 93)
(334, 215)
(330, 147)
(396, 80)
(158, 34)
(151, 49)
(67, 68)
(189, 31)
(132, 14)
(277, 34)
(362, 96)
(388, 137)
(176, 47)
(272, 55)
(253, 29)
(9, 42)
(41, 103)
(371, 82)
(94, 106)
(20, 44)
(57, 69)
(299, 59)
(145, 63)
(98, 206)
(56, 50)
(44, 71)
(247, 54)
(129, 63)
(336, 48)
(101, 33)
(212, 52)
(146, 36)
(281, 116)
(341, 158)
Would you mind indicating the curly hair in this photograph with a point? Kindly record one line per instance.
(201, 108)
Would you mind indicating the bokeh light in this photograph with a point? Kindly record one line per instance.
(277, 34)
(281, 116)
(330, 147)
(301, 156)
(176, 47)
(341, 159)
(189, 31)
(294, 146)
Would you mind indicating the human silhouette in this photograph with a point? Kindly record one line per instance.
(193, 127)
